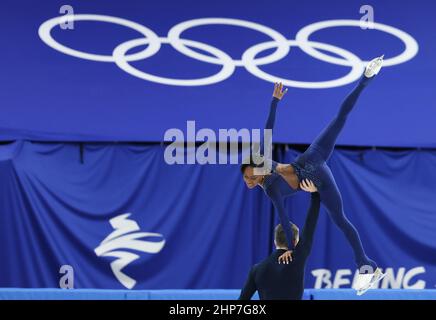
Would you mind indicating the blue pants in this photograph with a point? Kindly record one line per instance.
(315, 157)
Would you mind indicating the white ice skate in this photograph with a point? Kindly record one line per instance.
(373, 67)
(367, 281)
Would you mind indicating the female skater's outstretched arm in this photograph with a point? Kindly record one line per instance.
(278, 94)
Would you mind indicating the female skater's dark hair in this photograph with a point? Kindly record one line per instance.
(250, 163)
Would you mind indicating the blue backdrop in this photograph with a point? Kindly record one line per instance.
(123, 218)
(51, 94)
(197, 226)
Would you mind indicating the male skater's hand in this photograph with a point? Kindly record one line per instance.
(308, 186)
(286, 258)
(278, 90)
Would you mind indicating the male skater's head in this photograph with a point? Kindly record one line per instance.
(280, 236)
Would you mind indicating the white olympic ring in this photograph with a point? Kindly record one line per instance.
(248, 59)
(45, 34)
(354, 74)
(176, 31)
(303, 37)
(226, 61)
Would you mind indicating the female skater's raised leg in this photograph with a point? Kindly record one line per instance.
(322, 147)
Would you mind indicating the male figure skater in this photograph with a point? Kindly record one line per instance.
(285, 281)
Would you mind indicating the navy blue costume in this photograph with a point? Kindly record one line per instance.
(276, 281)
(312, 165)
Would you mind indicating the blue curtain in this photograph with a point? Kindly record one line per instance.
(55, 210)
(202, 227)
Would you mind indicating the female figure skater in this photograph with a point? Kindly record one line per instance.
(286, 179)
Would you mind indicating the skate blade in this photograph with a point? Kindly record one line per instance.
(370, 285)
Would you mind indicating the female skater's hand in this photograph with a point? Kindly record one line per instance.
(308, 186)
(278, 90)
(286, 257)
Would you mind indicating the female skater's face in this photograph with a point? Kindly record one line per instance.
(250, 179)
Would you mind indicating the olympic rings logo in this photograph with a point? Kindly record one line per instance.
(249, 58)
